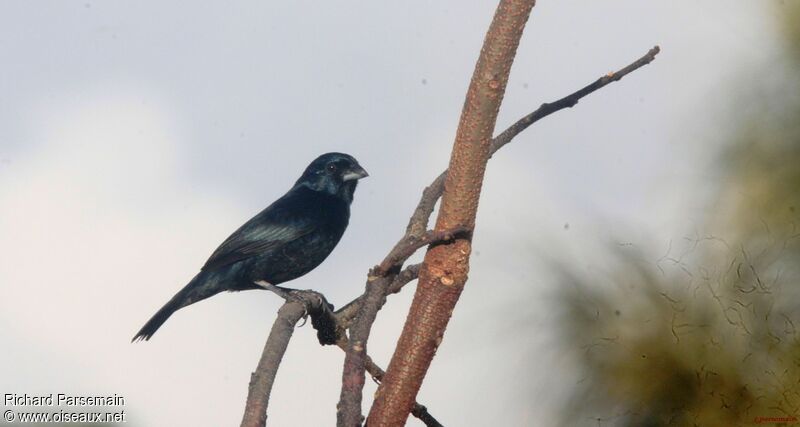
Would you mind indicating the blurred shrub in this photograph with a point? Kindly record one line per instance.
(707, 335)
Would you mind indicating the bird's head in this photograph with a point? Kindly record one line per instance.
(333, 173)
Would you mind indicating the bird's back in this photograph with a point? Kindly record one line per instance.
(284, 241)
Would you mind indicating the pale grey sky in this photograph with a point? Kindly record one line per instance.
(135, 136)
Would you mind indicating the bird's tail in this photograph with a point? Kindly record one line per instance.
(195, 291)
(160, 317)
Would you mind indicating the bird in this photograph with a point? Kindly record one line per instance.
(286, 240)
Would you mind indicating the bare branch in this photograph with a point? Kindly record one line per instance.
(419, 411)
(410, 243)
(408, 274)
(422, 413)
(444, 271)
(570, 100)
(349, 409)
(375, 371)
(298, 305)
(262, 380)
(346, 314)
(379, 283)
(419, 219)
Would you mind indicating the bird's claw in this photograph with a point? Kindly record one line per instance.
(295, 295)
(302, 297)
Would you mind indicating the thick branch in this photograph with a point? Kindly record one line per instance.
(379, 283)
(419, 411)
(375, 371)
(444, 271)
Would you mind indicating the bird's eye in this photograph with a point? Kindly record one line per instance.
(331, 167)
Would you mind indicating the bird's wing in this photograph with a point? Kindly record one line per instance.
(259, 235)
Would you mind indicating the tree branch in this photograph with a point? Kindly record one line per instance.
(262, 380)
(379, 282)
(570, 100)
(346, 314)
(297, 305)
(418, 222)
(419, 219)
(348, 412)
(410, 243)
(408, 274)
(444, 271)
(375, 371)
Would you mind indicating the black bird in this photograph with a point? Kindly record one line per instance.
(286, 240)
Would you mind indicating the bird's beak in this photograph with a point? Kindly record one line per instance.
(356, 172)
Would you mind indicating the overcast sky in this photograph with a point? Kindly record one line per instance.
(135, 136)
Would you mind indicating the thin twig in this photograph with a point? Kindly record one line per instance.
(570, 100)
(408, 274)
(411, 243)
(346, 314)
(418, 222)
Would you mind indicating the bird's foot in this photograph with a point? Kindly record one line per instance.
(310, 299)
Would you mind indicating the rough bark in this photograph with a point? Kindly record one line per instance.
(379, 283)
(444, 271)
